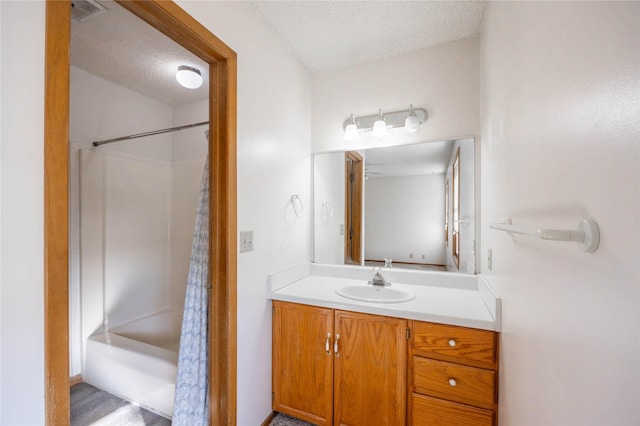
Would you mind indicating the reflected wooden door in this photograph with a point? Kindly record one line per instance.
(353, 208)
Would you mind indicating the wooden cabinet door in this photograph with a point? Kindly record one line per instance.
(302, 366)
(370, 370)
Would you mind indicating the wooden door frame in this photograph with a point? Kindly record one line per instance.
(355, 159)
(171, 20)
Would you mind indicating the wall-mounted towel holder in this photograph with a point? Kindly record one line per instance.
(587, 234)
(326, 210)
(296, 202)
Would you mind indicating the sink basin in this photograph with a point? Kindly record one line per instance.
(375, 294)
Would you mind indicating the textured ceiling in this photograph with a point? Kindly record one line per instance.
(327, 35)
(324, 35)
(119, 47)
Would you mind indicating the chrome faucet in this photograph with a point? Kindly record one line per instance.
(378, 279)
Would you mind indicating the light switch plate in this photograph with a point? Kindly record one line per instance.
(246, 241)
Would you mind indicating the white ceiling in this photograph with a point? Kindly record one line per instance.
(324, 35)
(327, 35)
(121, 48)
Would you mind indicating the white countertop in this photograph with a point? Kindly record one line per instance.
(463, 301)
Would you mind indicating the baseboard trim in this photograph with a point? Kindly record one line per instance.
(75, 380)
(269, 419)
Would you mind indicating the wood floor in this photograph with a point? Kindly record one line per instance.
(92, 406)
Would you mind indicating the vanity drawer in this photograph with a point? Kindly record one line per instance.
(455, 344)
(428, 411)
(459, 383)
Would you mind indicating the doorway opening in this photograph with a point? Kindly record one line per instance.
(172, 21)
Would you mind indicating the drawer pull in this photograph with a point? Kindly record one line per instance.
(452, 343)
(453, 382)
(335, 345)
(326, 345)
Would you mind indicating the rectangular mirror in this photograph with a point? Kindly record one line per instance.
(406, 206)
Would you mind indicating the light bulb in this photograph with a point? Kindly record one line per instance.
(379, 127)
(351, 131)
(412, 122)
(189, 77)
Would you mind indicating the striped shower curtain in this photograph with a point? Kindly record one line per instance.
(191, 402)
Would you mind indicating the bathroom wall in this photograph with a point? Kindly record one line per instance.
(560, 132)
(22, 218)
(274, 99)
(445, 80)
(416, 236)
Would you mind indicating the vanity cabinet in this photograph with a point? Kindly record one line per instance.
(339, 367)
(453, 378)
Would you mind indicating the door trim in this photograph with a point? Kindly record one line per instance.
(171, 20)
(353, 208)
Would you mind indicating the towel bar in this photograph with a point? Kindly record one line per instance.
(587, 234)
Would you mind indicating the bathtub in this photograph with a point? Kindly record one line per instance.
(137, 361)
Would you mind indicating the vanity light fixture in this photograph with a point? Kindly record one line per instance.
(189, 77)
(411, 119)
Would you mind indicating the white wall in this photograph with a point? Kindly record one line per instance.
(100, 109)
(273, 163)
(444, 79)
(560, 134)
(404, 219)
(21, 219)
(328, 221)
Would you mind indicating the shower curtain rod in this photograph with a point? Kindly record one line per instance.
(151, 133)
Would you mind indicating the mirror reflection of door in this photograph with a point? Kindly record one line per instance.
(353, 208)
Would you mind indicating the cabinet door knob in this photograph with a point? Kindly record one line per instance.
(335, 345)
(327, 346)
(453, 382)
(452, 343)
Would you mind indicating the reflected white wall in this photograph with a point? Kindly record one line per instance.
(405, 219)
(328, 208)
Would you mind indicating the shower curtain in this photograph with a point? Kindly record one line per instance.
(191, 402)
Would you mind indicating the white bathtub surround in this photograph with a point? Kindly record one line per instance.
(447, 298)
(137, 361)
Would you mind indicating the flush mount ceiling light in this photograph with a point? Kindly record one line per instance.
(411, 119)
(189, 77)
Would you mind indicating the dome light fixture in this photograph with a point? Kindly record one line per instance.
(189, 77)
